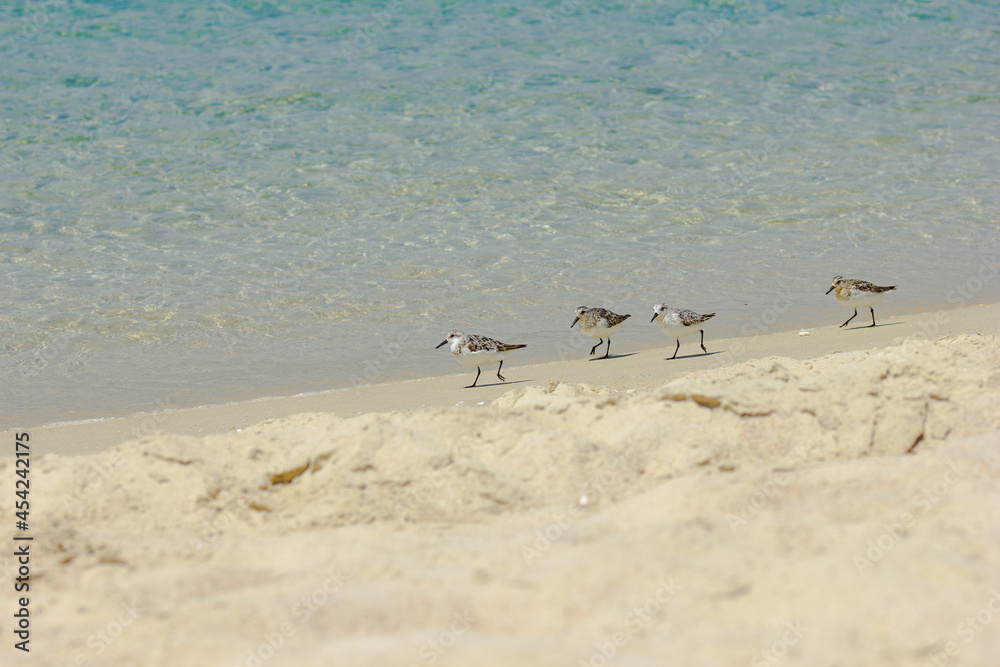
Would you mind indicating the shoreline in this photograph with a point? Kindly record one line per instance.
(629, 371)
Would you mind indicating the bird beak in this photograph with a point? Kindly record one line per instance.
(444, 342)
(831, 289)
(575, 320)
(655, 315)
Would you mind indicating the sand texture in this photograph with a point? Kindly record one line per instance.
(842, 510)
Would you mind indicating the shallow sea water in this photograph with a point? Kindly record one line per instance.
(207, 202)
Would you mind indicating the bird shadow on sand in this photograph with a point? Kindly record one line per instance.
(877, 326)
(611, 356)
(692, 356)
(498, 384)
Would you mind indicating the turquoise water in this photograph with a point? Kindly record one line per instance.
(205, 202)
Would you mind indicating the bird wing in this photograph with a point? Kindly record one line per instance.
(690, 318)
(869, 287)
(613, 319)
(476, 343)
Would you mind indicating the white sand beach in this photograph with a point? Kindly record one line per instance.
(797, 500)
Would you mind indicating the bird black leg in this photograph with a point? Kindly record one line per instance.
(498, 371)
(675, 349)
(852, 317)
(873, 315)
(703, 341)
(599, 341)
(608, 351)
(478, 371)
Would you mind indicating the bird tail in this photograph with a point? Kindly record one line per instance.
(508, 348)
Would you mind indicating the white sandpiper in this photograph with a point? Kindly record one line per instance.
(858, 294)
(598, 323)
(473, 350)
(678, 323)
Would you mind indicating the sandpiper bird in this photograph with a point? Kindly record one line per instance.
(858, 293)
(473, 350)
(678, 323)
(598, 323)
